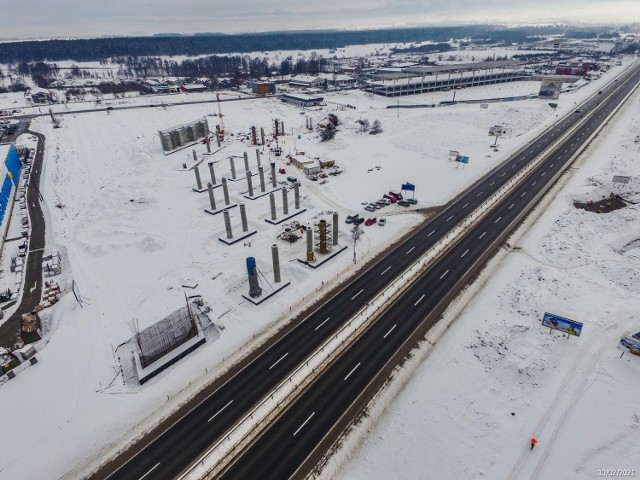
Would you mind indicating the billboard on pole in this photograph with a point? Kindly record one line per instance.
(462, 159)
(409, 186)
(562, 324)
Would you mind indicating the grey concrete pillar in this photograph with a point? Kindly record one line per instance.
(212, 200)
(218, 135)
(335, 228)
(281, 128)
(250, 183)
(195, 155)
(261, 173)
(246, 162)
(258, 156)
(272, 201)
(309, 242)
(276, 263)
(212, 173)
(225, 189)
(243, 218)
(233, 168)
(273, 175)
(262, 134)
(296, 195)
(198, 180)
(227, 223)
(285, 202)
(208, 141)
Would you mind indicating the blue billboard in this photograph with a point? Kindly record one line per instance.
(462, 159)
(409, 186)
(562, 324)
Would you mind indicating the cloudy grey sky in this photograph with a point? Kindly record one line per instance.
(88, 18)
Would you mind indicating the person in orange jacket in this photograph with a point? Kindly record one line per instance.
(533, 443)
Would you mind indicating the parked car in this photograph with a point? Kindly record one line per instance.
(370, 208)
(382, 222)
(391, 198)
(381, 204)
(386, 201)
(282, 170)
(358, 221)
(351, 218)
(370, 221)
(397, 195)
(412, 201)
(403, 203)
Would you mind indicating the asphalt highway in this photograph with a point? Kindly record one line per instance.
(287, 444)
(279, 453)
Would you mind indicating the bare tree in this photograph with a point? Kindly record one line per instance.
(376, 128)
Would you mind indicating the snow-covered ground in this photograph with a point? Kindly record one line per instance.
(131, 232)
(496, 378)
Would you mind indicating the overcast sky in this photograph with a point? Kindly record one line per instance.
(89, 18)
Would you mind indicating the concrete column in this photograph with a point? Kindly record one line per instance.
(262, 134)
(285, 202)
(195, 155)
(335, 228)
(246, 162)
(258, 156)
(208, 141)
(233, 168)
(198, 180)
(309, 243)
(272, 201)
(276, 263)
(225, 189)
(282, 128)
(296, 195)
(273, 175)
(227, 223)
(212, 173)
(243, 218)
(250, 183)
(218, 135)
(212, 200)
(261, 173)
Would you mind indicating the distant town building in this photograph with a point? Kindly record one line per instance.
(306, 81)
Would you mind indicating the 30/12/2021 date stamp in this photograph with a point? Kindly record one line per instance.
(616, 472)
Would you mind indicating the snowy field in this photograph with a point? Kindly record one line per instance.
(496, 378)
(131, 232)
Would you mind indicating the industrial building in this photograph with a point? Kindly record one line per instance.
(263, 88)
(301, 100)
(10, 175)
(424, 79)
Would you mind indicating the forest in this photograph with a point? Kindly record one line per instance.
(216, 43)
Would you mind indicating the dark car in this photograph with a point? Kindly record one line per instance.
(351, 218)
(403, 203)
(412, 201)
(358, 221)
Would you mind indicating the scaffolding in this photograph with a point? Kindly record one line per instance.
(156, 341)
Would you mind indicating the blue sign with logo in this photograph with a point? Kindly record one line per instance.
(562, 324)
(462, 159)
(409, 186)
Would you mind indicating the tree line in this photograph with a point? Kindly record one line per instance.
(217, 43)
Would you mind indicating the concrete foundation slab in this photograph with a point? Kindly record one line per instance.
(265, 296)
(221, 209)
(284, 219)
(261, 194)
(325, 258)
(231, 241)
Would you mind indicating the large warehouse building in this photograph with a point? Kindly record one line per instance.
(9, 176)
